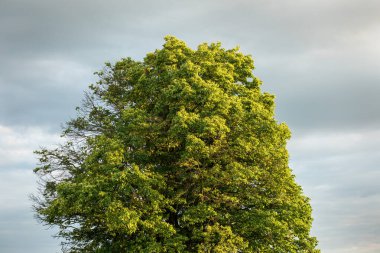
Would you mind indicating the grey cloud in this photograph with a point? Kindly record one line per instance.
(280, 27)
(16, 149)
(340, 172)
(293, 42)
(41, 91)
(280, 35)
(21, 233)
(325, 92)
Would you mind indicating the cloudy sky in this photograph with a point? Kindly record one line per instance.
(321, 58)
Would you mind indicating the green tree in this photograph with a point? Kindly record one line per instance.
(177, 153)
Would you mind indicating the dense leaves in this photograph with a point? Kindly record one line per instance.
(177, 153)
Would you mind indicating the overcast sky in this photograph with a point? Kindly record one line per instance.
(321, 58)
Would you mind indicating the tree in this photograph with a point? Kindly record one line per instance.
(177, 153)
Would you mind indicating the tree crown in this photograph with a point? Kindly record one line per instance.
(177, 153)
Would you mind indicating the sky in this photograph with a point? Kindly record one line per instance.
(321, 58)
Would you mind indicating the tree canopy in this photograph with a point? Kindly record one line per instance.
(179, 152)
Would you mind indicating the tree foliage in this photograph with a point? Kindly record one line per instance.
(179, 152)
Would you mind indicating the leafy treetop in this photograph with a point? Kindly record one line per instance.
(177, 153)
